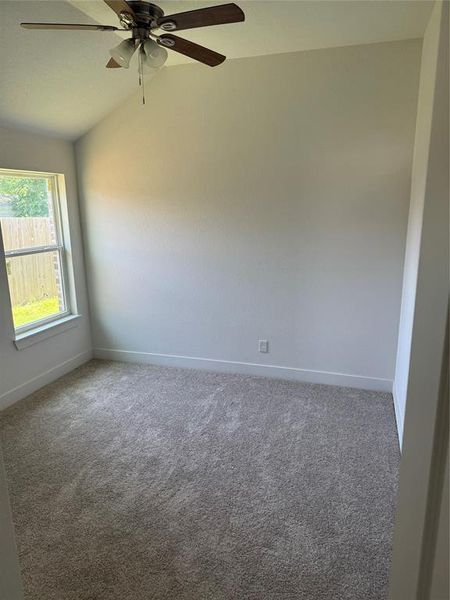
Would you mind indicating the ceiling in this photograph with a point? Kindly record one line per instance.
(56, 81)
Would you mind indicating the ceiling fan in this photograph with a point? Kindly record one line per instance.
(142, 18)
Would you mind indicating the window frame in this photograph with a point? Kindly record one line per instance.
(57, 196)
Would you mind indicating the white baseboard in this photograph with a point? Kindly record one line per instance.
(231, 366)
(399, 414)
(30, 386)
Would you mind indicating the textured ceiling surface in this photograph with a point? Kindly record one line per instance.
(56, 81)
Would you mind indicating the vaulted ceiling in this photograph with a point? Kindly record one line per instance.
(56, 81)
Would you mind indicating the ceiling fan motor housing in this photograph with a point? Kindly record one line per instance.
(146, 14)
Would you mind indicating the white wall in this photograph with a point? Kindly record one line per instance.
(418, 187)
(266, 198)
(426, 419)
(21, 372)
(440, 585)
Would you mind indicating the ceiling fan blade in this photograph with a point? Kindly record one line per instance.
(111, 64)
(203, 55)
(120, 6)
(79, 26)
(203, 17)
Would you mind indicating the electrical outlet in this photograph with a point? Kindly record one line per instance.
(263, 346)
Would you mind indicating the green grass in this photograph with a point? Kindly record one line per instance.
(33, 311)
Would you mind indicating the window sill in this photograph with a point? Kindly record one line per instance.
(28, 338)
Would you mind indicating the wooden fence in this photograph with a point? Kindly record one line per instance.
(36, 276)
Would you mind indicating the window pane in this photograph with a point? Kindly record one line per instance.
(35, 286)
(26, 212)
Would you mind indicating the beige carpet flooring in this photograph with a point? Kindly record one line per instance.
(132, 482)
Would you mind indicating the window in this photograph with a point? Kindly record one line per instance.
(36, 265)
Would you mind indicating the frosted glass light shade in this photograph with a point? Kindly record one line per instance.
(153, 56)
(123, 52)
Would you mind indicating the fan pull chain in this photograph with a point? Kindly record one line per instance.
(141, 73)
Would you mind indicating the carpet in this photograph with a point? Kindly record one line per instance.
(137, 482)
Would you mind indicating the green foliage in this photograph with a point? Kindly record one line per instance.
(28, 196)
(33, 311)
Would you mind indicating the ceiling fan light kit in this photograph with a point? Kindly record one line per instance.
(154, 55)
(123, 52)
(141, 18)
